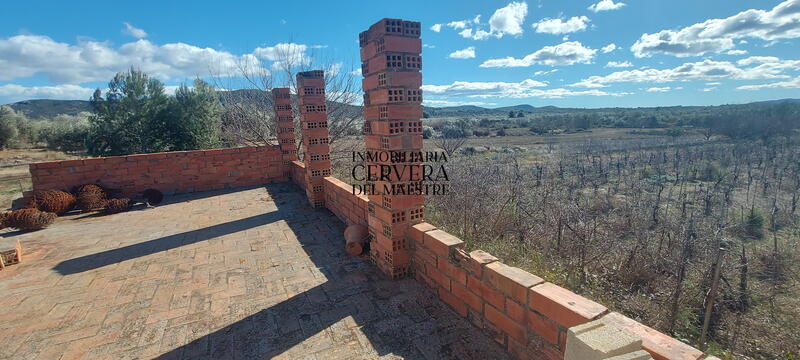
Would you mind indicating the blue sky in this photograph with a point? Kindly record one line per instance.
(594, 53)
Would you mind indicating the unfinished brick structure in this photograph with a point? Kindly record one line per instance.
(314, 128)
(530, 317)
(284, 117)
(170, 172)
(391, 64)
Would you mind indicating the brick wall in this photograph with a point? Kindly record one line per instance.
(527, 315)
(299, 174)
(340, 200)
(169, 172)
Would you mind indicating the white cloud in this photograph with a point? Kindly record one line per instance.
(468, 53)
(706, 70)
(543, 72)
(790, 84)
(709, 89)
(567, 53)
(715, 83)
(619, 64)
(559, 26)
(24, 56)
(608, 48)
(12, 92)
(505, 20)
(134, 31)
(757, 60)
(444, 103)
(428, 46)
(736, 52)
(717, 35)
(605, 5)
(285, 54)
(458, 24)
(436, 27)
(523, 89)
(509, 19)
(658, 89)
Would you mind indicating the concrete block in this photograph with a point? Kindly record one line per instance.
(636, 355)
(597, 340)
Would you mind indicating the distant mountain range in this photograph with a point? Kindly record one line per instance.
(50, 108)
(44, 108)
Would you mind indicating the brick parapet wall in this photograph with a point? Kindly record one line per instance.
(340, 200)
(299, 174)
(169, 172)
(527, 315)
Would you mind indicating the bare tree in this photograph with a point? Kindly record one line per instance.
(249, 118)
(450, 144)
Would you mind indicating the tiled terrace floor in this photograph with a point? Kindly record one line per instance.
(247, 274)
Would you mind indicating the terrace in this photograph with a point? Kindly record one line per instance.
(247, 273)
(246, 259)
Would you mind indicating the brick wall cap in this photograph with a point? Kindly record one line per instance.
(444, 238)
(563, 306)
(482, 257)
(424, 227)
(517, 275)
(659, 345)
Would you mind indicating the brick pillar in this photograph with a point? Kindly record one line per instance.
(314, 121)
(282, 101)
(391, 64)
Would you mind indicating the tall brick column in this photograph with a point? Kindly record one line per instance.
(391, 64)
(314, 120)
(282, 101)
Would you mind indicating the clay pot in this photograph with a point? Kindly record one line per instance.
(355, 236)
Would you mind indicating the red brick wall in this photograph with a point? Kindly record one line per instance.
(299, 174)
(169, 172)
(340, 200)
(521, 311)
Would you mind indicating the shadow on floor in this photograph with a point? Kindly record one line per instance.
(324, 321)
(397, 317)
(97, 260)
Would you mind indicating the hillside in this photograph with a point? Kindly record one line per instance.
(50, 108)
(44, 108)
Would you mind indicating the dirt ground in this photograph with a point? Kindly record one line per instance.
(14, 175)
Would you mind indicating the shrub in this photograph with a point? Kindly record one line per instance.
(66, 133)
(754, 223)
(675, 132)
(427, 132)
(710, 171)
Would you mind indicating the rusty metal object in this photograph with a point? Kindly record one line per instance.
(114, 206)
(90, 189)
(29, 219)
(355, 237)
(89, 201)
(52, 201)
(3, 218)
